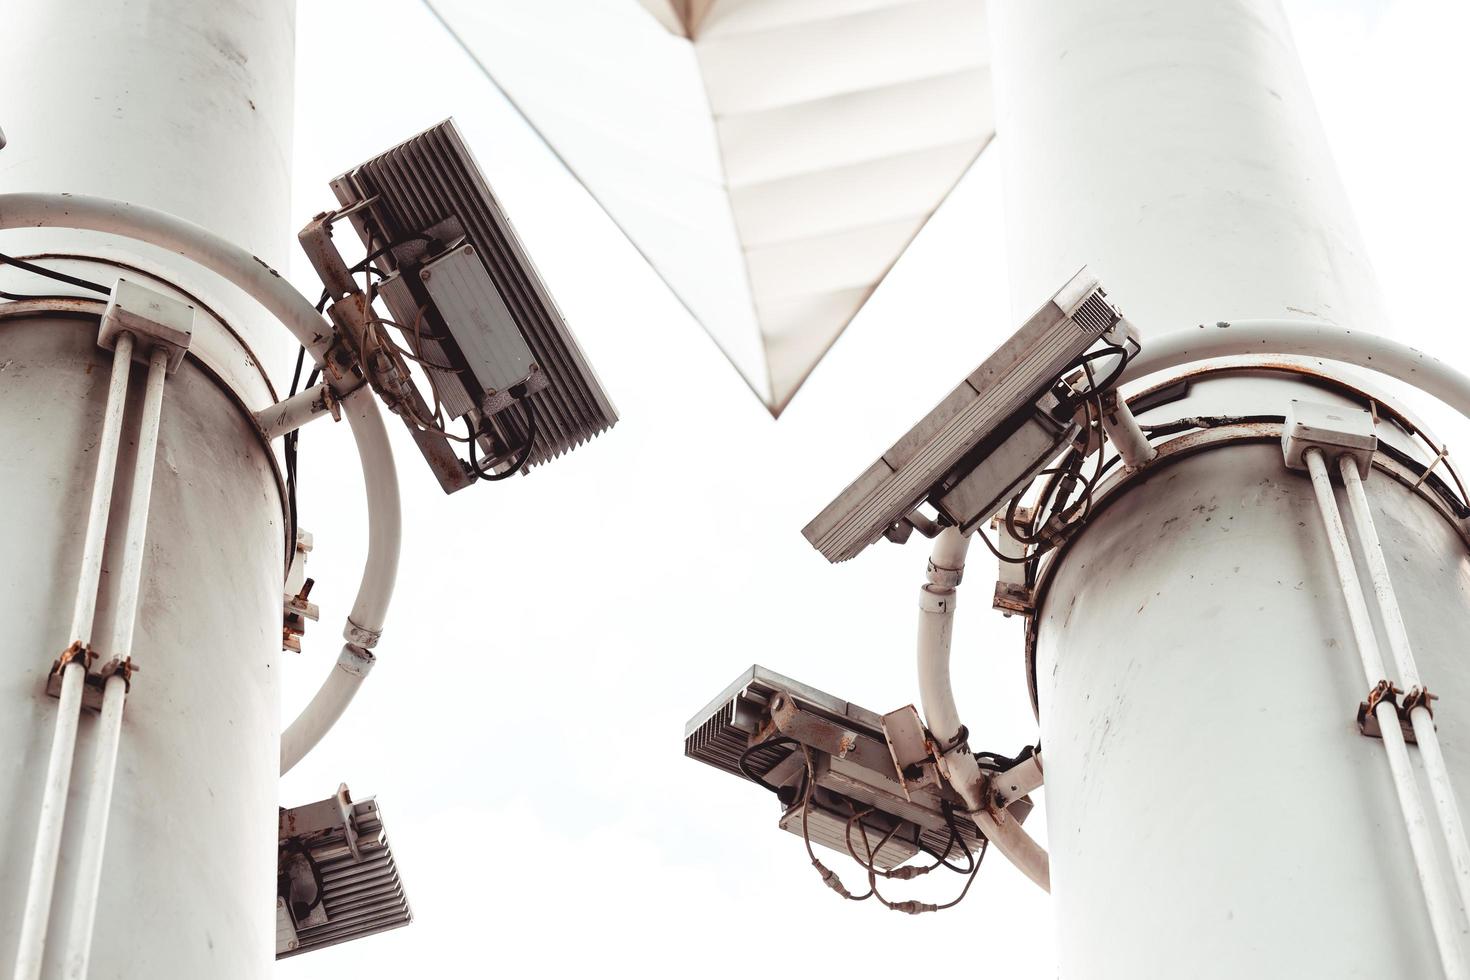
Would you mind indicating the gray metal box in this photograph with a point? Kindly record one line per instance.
(430, 182)
(1009, 382)
(493, 354)
(1007, 470)
(361, 893)
(475, 314)
(833, 830)
(1336, 430)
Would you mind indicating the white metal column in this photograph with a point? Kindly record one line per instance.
(1212, 810)
(186, 107)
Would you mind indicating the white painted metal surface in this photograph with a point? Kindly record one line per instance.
(184, 107)
(193, 115)
(1212, 810)
(1174, 149)
(189, 874)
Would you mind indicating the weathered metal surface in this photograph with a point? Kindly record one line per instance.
(198, 761)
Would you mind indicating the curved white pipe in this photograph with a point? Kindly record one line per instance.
(198, 244)
(272, 291)
(1309, 338)
(326, 706)
(385, 517)
(365, 624)
(941, 715)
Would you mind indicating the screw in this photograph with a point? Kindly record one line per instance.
(424, 274)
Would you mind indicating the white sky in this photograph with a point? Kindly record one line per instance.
(551, 634)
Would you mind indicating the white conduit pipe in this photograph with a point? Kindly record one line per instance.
(1442, 914)
(292, 413)
(365, 623)
(941, 715)
(36, 913)
(270, 290)
(119, 649)
(78, 949)
(1308, 338)
(1441, 789)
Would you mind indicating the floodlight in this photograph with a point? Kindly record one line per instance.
(984, 442)
(468, 306)
(336, 880)
(774, 731)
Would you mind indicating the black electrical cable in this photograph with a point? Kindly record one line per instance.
(979, 533)
(22, 297)
(521, 458)
(1068, 406)
(53, 274)
(380, 252)
(956, 836)
(1205, 422)
(288, 450)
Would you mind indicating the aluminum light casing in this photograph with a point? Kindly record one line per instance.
(969, 425)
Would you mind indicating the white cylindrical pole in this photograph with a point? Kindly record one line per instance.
(1212, 810)
(185, 108)
(1173, 147)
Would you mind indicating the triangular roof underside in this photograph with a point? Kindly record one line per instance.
(773, 168)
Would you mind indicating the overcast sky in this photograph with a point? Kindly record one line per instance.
(551, 634)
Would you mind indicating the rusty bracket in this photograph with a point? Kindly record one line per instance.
(1013, 593)
(124, 668)
(825, 736)
(1418, 697)
(357, 350)
(86, 656)
(1007, 788)
(93, 681)
(1368, 718)
(77, 649)
(912, 748)
(296, 610)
